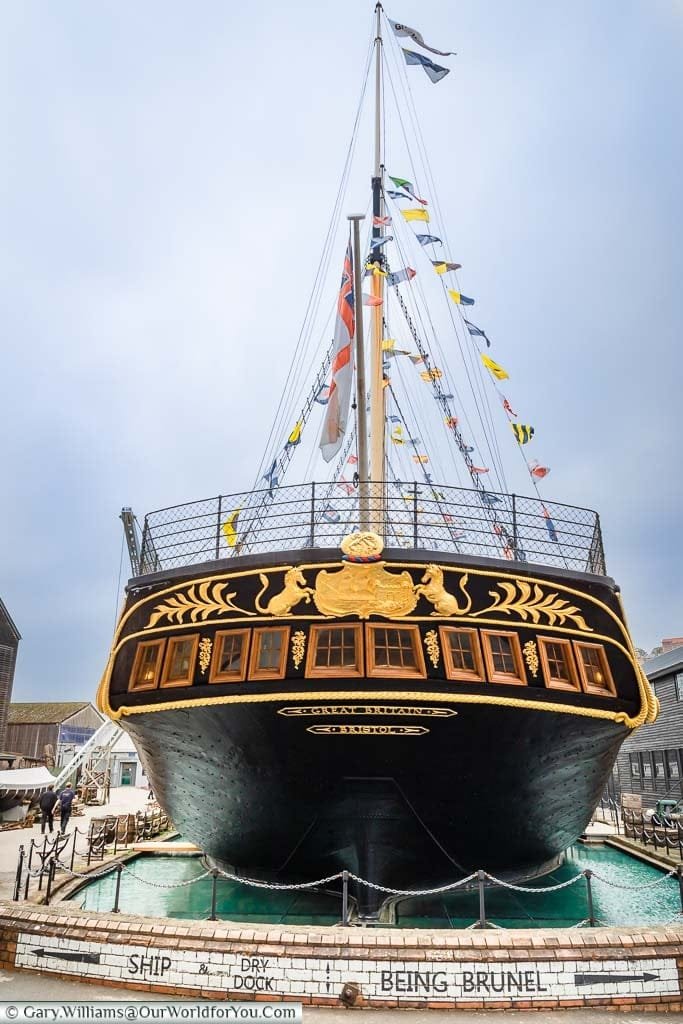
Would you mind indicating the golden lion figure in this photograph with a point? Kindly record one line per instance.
(431, 586)
(294, 591)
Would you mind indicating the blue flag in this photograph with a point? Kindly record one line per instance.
(427, 239)
(381, 241)
(476, 332)
(433, 71)
(271, 478)
(397, 195)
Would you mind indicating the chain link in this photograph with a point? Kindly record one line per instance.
(635, 888)
(274, 885)
(528, 888)
(413, 892)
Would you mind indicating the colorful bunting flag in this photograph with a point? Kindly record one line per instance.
(230, 528)
(433, 71)
(411, 33)
(489, 499)
(442, 267)
(339, 402)
(538, 471)
(550, 525)
(376, 243)
(421, 459)
(413, 214)
(459, 298)
(295, 435)
(388, 344)
(416, 360)
(381, 221)
(498, 372)
(394, 419)
(523, 432)
(323, 396)
(476, 332)
(407, 186)
(344, 485)
(375, 270)
(478, 469)
(407, 274)
(397, 435)
(371, 300)
(352, 460)
(272, 478)
(431, 374)
(428, 239)
(398, 195)
(451, 422)
(508, 408)
(330, 515)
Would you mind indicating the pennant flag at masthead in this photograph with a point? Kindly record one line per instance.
(336, 414)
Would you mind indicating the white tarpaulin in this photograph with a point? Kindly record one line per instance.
(26, 778)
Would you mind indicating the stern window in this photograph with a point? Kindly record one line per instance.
(559, 670)
(229, 661)
(594, 670)
(395, 651)
(335, 652)
(180, 660)
(503, 657)
(145, 672)
(462, 654)
(269, 653)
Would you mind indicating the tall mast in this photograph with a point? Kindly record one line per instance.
(361, 390)
(377, 411)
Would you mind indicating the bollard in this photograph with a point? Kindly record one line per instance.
(51, 867)
(679, 876)
(28, 867)
(73, 849)
(90, 834)
(214, 874)
(588, 874)
(345, 898)
(119, 872)
(42, 855)
(481, 923)
(17, 880)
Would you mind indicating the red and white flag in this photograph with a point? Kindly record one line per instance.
(339, 402)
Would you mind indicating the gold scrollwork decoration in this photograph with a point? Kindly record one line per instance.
(205, 645)
(197, 604)
(298, 647)
(533, 603)
(431, 642)
(531, 656)
(294, 591)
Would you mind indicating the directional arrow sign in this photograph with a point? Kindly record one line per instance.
(612, 979)
(78, 958)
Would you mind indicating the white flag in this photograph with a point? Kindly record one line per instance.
(405, 30)
(338, 404)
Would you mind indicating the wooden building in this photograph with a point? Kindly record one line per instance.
(650, 762)
(9, 642)
(51, 731)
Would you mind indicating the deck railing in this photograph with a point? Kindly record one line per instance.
(417, 516)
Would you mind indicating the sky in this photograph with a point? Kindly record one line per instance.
(167, 179)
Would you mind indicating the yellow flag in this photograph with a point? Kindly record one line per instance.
(295, 436)
(441, 268)
(431, 374)
(498, 372)
(397, 435)
(230, 528)
(416, 215)
(376, 269)
(420, 459)
(388, 344)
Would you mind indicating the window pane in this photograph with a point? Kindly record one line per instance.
(462, 652)
(558, 662)
(231, 654)
(672, 764)
(592, 664)
(647, 767)
(635, 765)
(659, 766)
(679, 685)
(394, 648)
(335, 648)
(146, 666)
(270, 650)
(501, 652)
(179, 666)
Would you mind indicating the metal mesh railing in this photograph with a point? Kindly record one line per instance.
(314, 515)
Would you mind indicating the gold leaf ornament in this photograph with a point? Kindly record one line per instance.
(431, 642)
(298, 647)
(197, 604)
(205, 645)
(531, 656)
(520, 598)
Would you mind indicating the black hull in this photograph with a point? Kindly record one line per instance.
(262, 794)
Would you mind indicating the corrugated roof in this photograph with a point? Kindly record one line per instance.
(44, 714)
(664, 664)
(7, 618)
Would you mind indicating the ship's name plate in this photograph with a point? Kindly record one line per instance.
(365, 709)
(431, 981)
(367, 730)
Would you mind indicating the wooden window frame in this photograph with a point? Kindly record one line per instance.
(389, 672)
(136, 664)
(574, 686)
(598, 691)
(646, 760)
(672, 754)
(343, 671)
(215, 675)
(634, 759)
(462, 674)
(502, 677)
(268, 673)
(164, 683)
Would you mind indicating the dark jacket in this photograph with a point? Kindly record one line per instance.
(47, 800)
(66, 799)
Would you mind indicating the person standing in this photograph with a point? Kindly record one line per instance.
(66, 798)
(47, 804)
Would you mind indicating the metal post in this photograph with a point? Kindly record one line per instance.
(119, 872)
(20, 868)
(588, 874)
(345, 898)
(481, 877)
(116, 835)
(50, 879)
(90, 835)
(414, 514)
(28, 867)
(679, 876)
(42, 855)
(214, 883)
(514, 525)
(312, 514)
(218, 527)
(73, 849)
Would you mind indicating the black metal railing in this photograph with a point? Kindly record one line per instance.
(661, 833)
(410, 515)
